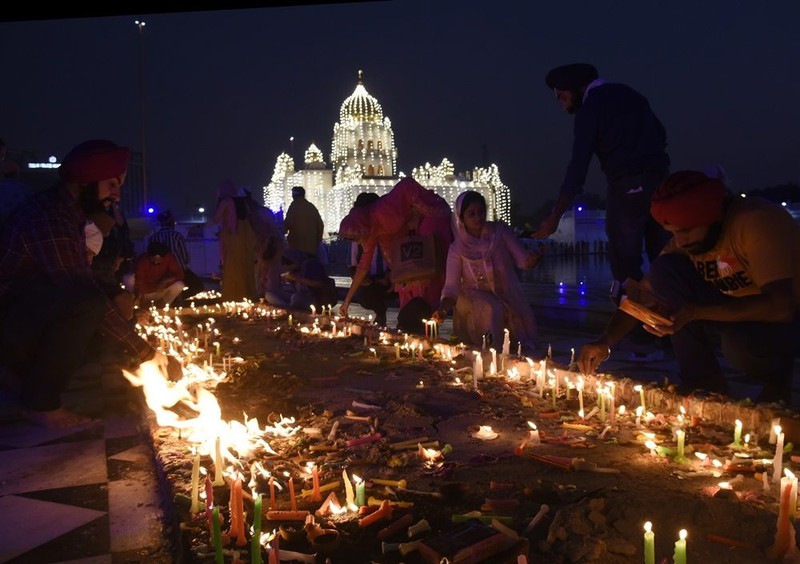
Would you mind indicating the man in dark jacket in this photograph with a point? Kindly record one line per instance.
(616, 123)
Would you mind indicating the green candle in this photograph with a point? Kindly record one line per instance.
(255, 543)
(649, 544)
(216, 536)
(679, 557)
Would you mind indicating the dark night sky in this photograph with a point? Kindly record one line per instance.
(225, 89)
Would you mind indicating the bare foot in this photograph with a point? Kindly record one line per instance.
(60, 418)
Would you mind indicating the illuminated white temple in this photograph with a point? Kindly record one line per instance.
(363, 159)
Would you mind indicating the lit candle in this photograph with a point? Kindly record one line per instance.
(493, 367)
(255, 542)
(679, 557)
(640, 389)
(681, 440)
(649, 544)
(216, 536)
(361, 491)
(519, 348)
(533, 438)
(348, 490)
(195, 508)
(483, 346)
(397, 351)
(579, 385)
(737, 434)
(777, 461)
(506, 343)
(477, 370)
(291, 494)
(572, 357)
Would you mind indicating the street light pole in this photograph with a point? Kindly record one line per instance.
(140, 25)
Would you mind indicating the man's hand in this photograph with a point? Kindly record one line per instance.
(685, 314)
(547, 227)
(169, 366)
(343, 309)
(591, 355)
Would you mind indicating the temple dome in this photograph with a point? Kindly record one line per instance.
(360, 106)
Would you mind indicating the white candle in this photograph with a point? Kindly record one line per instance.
(493, 368)
(534, 438)
(477, 369)
(506, 342)
(777, 461)
(681, 441)
(195, 508)
(218, 479)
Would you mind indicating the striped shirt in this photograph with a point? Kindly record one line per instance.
(176, 243)
(45, 238)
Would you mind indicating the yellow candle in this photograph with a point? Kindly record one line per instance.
(218, 479)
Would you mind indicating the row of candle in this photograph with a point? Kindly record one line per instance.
(678, 557)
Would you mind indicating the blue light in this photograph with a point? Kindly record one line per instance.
(151, 210)
(580, 208)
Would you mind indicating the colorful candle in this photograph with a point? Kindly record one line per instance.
(679, 557)
(238, 510)
(255, 542)
(361, 491)
(649, 544)
(216, 536)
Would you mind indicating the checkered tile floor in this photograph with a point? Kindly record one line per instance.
(89, 495)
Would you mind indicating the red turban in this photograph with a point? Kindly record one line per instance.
(93, 161)
(688, 199)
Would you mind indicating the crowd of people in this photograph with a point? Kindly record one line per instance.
(719, 268)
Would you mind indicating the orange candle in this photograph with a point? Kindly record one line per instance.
(291, 494)
(239, 510)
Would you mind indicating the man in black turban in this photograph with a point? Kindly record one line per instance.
(616, 123)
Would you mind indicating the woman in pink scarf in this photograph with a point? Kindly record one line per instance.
(408, 206)
(482, 286)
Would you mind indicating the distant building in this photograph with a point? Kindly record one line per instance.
(364, 159)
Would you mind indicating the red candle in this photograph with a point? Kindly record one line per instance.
(209, 499)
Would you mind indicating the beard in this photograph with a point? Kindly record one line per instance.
(706, 243)
(90, 201)
(577, 102)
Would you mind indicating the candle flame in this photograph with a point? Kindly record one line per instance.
(648, 526)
